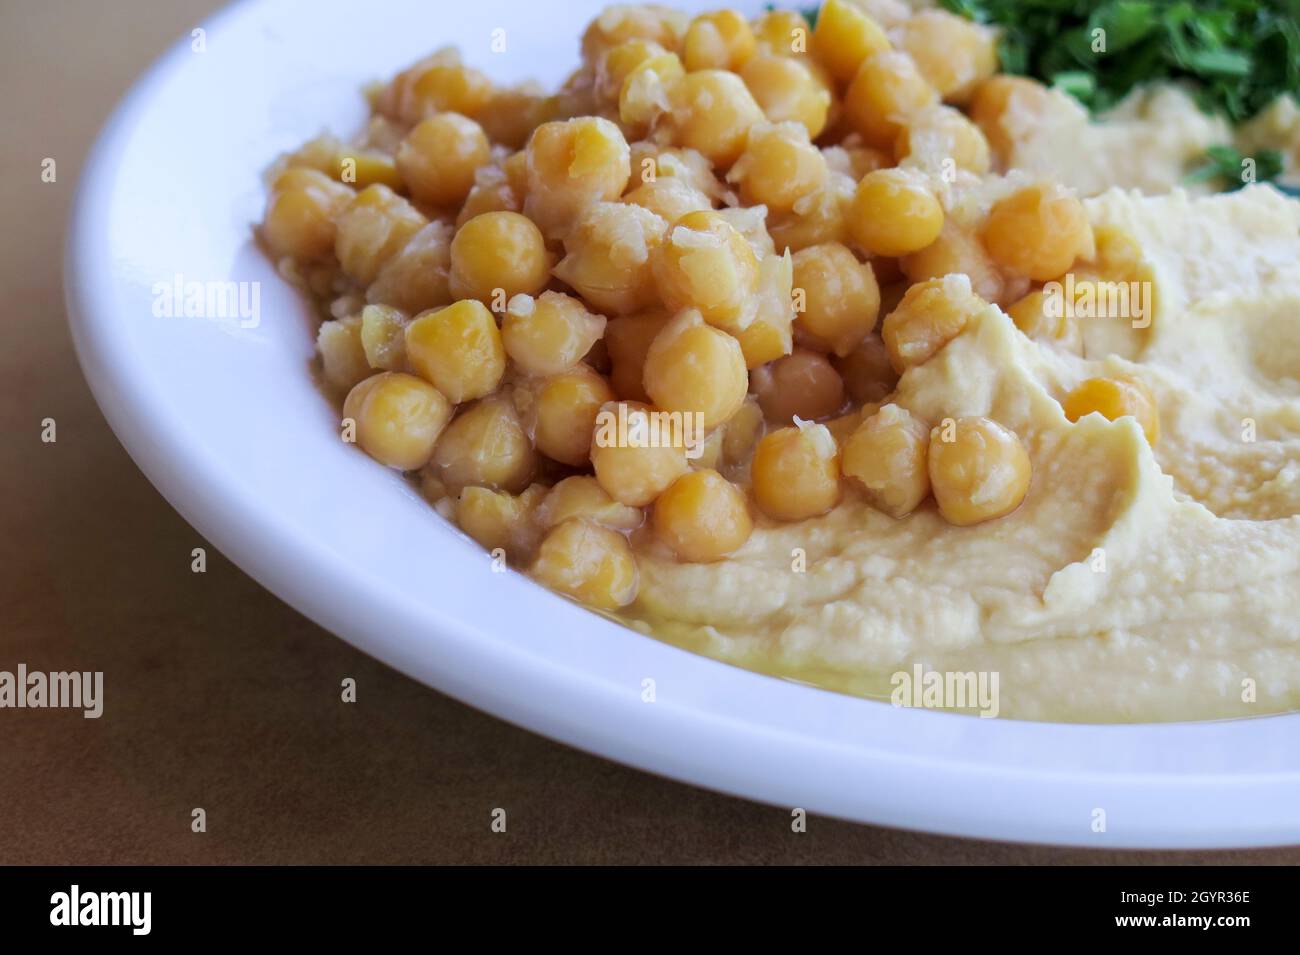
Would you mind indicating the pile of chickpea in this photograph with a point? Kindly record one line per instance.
(709, 217)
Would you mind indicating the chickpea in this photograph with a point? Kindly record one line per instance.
(415, 278)
(796, 473)
(1113, 398)
(722, 40)
(1060, 329)
(894, 213)
(1007, 108)
(397, 418)
(627, 340)
(858, 160)
(692, 367)
(782, 33)
(703, 517)
(866, 371)
(770, 332)
(442, 87)
(742, 433)
(653, 161)
(952, 53)
(957, 250)
(438, 157)
(883, 97)
(712, 112)
(383, 337)
(939, 136)
(931, 314)
(840, 296)
(300, 215)
(1038, 232)
(981, 473)
(343, 354)
(803, 384)
(613, 69)
(647, 91)
(844, 37)
(572, 164)
(485, 445)
(499, 520)
(790, 90)
(706, 264)
(609, 253)
(458, 349)
(491, 192)
(372, 230)
(498, 255)
(592, 564)
(561, 413)
(581, 496)
(751, 223)
(820, 218)
(549, 334)
(619, 23)
(634, 458)
(778, 167)
(512, 113)
(886, 456)
(669, 198)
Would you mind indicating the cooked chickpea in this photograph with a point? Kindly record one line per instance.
(512, 113)
(742, 433)
(782, 33)
(942, 140)
(894, 213)
(979, 470)
(499, 520)
(703, 517)
(712, 112)
(770, 332)
(548, 334)
(581, 496)
(816, 219)
(415, 278)
(592, 564)
(647, 91)
(803, 384)
(796, 473)
(397, 418)
(342, 352)
(372, 230)
(627, 340)
(485, 445)
(562, 413)
(613, 69)
(446, 86)
(790, 90)
(886, 456)
(669, 197)
(571, 164)
(491, 192)
(608, 257)
(778, 167)
(635, 460)
(840, 297)
(954, 54)
(458, 349)
(931, 314)
(1007, 108)
(866, 371)
(884, 95)
(438, 157)
(958, 250)
(693, 367)
(1038, 232)
(1113, 398)
(722, 40)
(301, 213)
(622, 22)
(383, 337)
(844, 37)
(704, 263)
(1061, 329)
(498, 255)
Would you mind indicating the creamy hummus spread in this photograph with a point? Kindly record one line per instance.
(1131, 584)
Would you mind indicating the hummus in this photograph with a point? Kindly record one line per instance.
(1132, 584)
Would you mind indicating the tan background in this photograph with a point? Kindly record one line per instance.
(220, 696)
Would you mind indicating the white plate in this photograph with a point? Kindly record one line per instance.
(228, 425)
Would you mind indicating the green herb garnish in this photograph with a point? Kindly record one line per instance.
(1235, 170)
(1239, 55)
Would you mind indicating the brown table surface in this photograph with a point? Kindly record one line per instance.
(220, 696)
